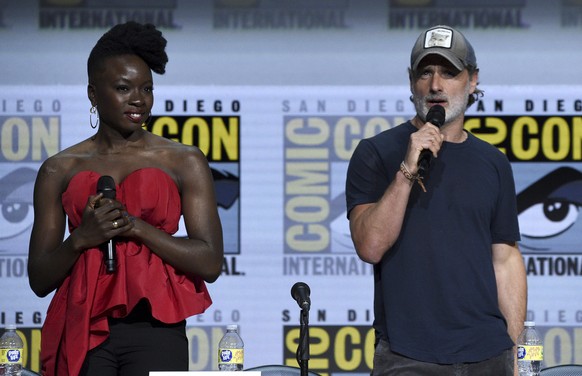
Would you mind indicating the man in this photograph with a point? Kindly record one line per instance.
(450, 284)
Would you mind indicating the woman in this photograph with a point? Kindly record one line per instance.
(131, 320)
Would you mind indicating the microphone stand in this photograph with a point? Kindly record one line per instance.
(303, 346)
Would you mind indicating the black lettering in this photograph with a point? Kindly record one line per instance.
(285, 316)
(217, 106)
(229, 267)
(169, 106)
(37, 318)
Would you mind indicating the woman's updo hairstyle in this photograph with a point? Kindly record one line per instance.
(130, 38)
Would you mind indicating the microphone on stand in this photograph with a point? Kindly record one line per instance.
(300, 292)
(435, 116)
(106, 185)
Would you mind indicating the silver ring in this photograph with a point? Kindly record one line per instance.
(115, 224)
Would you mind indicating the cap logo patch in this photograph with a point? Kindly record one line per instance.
(438, 38)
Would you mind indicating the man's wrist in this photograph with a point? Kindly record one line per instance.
(411, 177)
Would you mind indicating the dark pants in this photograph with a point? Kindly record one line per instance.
(137, 345)
(387, 362)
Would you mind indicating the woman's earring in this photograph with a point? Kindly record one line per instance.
(146, 123)
(93, 112)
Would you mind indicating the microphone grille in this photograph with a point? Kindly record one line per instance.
(436, 115)
(106, 185)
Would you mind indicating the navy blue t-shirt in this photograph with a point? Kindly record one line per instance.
(435, 289)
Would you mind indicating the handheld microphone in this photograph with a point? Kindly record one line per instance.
(106, 185)
(300, 292)
(435, 116)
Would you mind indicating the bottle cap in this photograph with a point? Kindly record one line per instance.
(232, 327)
(529, 323)
(10, 327)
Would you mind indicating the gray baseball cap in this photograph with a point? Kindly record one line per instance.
(444, 41)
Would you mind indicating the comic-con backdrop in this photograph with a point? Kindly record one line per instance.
(279, 154)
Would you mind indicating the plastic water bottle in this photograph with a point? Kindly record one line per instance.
(231, 350)
(530, 351)
(10, 352)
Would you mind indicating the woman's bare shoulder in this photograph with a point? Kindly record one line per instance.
(177, 153)
(65, 163)
(182, 162)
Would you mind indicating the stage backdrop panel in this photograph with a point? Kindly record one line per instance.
(279, 157)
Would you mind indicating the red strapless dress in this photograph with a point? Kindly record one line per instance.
(76, 320)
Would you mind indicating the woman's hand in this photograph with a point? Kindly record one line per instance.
(102, 220)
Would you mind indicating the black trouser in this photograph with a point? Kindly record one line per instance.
(387, 362)
(137, 345)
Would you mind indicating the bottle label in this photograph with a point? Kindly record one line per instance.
(230, 356)
(12, 356)
(525, 352)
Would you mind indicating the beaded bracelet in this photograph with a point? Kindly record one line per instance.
(412, 177)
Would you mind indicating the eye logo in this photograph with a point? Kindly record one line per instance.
(227, 187)
(16, 191)
(549, 209)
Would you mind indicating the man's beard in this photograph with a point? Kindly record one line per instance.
(456, 105)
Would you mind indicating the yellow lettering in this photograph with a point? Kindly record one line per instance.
(369, 348)
(307, 209)
(166, 125)
(577, 138)
(577, 345)
(35, 342)
(315, 132)
(345, 142)
(563, 139)
(307, 238)
(44, 136)
(224, 136)
(312, 178)
(19, 127)
(557, 339)
(306, 153)
(345, 342)
(523, 128)
(196, 125)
